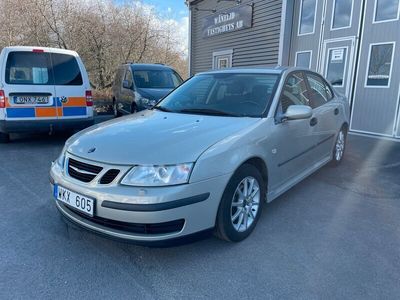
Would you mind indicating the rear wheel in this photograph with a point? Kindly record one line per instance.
(4, 137)
(340, 146)
(241, 204)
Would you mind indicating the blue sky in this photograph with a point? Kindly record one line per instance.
(169, 9)
(174, 11)
(173, 8)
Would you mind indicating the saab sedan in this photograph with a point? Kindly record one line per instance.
(207, 157)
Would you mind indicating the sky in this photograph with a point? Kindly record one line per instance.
(175, 12)
(174, 8)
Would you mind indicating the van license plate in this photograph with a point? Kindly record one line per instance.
(32, 100)
(75, 200)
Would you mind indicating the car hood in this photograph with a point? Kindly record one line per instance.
(154, 138)
(153, 94)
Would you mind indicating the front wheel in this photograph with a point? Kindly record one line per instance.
(241, 204)
(115, 109)
(134, 109)
(340, 146)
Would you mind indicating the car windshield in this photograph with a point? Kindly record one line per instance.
(156, 79)
(225, 94)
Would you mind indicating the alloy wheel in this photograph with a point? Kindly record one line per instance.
(245, 204)
(340, 144)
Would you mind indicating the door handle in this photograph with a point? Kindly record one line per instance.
(336, 111)
(313, 121)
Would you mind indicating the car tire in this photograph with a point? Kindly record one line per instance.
(134, 109)
(4, 137)
(339, 147)
(115, 109)
(236, 217)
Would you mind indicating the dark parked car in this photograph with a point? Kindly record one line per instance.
(140, 86)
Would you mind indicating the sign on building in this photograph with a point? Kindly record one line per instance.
(233, 19)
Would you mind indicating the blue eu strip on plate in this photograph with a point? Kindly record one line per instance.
(55, 191)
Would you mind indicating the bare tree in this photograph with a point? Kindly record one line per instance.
(105, 34)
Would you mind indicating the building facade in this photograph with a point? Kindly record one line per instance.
(355, 44)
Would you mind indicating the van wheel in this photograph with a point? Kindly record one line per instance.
(241, 204)
(134, 109)
(4, 137)
(115, 109)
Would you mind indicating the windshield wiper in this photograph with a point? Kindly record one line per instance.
(207, 111)
(162, 108)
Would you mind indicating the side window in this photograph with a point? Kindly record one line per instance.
(294, 91)
(177, 81)
(128, 77)
(321, 93)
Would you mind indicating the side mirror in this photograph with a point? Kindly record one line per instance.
(298, 112)
(126, 84)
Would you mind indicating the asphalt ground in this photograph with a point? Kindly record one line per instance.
(334, 235)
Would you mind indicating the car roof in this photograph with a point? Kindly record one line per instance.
(255, 70)
(45, 49)
(144, 67)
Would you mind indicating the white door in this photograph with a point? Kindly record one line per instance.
(72, 92)
(28, 86)
(337, 64)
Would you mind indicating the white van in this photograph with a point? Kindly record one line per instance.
(43, 89)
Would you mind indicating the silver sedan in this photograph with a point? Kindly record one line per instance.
(207, 157)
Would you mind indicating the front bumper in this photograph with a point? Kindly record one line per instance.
(118, 208)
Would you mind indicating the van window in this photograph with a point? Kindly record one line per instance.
(66, 70)
(28, 68)
(156, 79)
(32, 68)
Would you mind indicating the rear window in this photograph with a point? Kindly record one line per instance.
(32, 68)
(66, 70)
(28, 68)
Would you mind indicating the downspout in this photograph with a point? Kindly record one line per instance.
(189, 39)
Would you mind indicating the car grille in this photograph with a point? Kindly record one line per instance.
(158, 228)
(82, 171)
(109, 176)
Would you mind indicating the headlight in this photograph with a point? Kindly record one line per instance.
(158, 175)
(145, 101)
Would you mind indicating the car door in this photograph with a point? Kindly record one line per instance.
(325, 115)
(28, 86)
(293, 140)
(127, 93)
